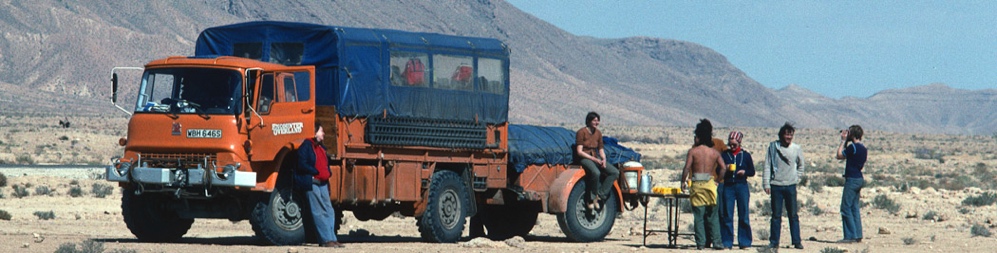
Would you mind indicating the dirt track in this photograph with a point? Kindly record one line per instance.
(88, 217)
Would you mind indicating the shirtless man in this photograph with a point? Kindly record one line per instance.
(701, 168)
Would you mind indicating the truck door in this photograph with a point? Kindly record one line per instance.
(286, 106)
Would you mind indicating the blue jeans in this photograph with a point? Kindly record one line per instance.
(735, 194)
(851, 216)
(784, 196)
(322, 212)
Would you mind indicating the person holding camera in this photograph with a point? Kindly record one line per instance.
(854, 154)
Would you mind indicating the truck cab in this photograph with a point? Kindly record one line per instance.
(204, 126)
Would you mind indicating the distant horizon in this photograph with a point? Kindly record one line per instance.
(836, 49)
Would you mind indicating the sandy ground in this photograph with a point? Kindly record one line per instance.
(88, 217)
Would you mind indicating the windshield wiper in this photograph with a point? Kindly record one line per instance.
(177, 105)
(197, 109)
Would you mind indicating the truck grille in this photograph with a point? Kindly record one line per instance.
(177, 160)
(431, 133)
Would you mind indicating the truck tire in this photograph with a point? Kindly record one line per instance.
(444, 218)
(582, 225)
(279, 218)
(506, 221)
(148, 218)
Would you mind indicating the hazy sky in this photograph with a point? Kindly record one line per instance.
(835, 48)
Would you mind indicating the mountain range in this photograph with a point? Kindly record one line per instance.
(56, 56)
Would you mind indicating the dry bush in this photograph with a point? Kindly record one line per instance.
(909, 241)
(4, 215)
(885, 203)
(75, 191)
(20, 191)
(833, 250)
(42, 190)
(101, 190)
(980, 230)
(3, 180)
(45, 215)
(984, 199)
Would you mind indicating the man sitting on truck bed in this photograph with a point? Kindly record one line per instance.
(592, 156)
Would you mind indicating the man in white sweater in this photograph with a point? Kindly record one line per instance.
(784, 165)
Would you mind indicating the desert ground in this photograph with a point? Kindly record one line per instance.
(925, 193)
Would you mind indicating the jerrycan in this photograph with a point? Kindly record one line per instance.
(645, 183)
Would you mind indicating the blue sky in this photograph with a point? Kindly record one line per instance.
(835, 48)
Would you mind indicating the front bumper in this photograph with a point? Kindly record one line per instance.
(173, 177)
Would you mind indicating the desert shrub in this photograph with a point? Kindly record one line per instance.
(75, 191)
(25, 159)
(834, 181)
(909, 241)
(763, 234)
(925, 153)
(20, 191)
(832, 250)
(101, 190)
(74, 182)
(45, 215)
(88, 246)
(4, 215)
(956, 182)
(63, 138)
(984, 199)
(930, 215)
(67, 248)
(3, 180)
(816, 188)
(42, 190)
(1, 194)
(885, 203)
(96, 175)
(979, 230)
(964, 210)
(764, 208)
(811, 205)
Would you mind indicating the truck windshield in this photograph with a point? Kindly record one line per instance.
(190, 90)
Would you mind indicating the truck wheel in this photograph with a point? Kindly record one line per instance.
(583, 225)
(506, 221)
(278, 219)
(149, 219)
(444, 218)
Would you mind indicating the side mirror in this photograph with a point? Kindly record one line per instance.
(114, 88)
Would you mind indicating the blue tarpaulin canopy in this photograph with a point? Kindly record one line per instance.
(552, 145)
(353, 70)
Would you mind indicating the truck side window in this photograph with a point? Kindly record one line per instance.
(409, 69)
(453, 72)
(290, 93)
(491, 76)
(253, 50)
(266, 94)
(287, 53)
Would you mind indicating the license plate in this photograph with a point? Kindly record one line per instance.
(204, 133)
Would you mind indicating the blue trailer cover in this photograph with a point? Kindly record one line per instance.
(353, 70)
(552, 145)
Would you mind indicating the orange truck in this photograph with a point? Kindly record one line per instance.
(415, 124)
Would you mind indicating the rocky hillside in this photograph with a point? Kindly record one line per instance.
(55, 57)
